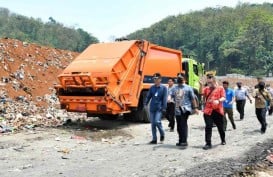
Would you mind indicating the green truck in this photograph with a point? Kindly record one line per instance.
(193, 71)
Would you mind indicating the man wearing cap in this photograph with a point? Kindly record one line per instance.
(240, 96)
(185, 104)
(228, 105)
(262, 96)
(214, 96)
(158, 95)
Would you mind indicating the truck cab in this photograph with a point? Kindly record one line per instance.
(193, 71)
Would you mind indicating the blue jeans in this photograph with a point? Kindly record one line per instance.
(155, 118)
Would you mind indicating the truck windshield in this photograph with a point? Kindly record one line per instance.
(195, 69)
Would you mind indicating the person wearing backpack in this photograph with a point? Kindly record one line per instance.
(185, 105)
(262, 96)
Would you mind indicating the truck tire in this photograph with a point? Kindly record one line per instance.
(145, 115)
(141, 114)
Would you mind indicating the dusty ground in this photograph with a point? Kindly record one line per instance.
(119, 148)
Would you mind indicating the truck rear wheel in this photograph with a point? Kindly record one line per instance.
(141, 114)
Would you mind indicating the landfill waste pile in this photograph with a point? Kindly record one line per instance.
(28, 74)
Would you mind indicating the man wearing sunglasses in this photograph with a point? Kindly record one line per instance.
(158, 96)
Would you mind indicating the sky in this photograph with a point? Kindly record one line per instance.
(109, 19)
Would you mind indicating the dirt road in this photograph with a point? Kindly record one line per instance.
(105, 148)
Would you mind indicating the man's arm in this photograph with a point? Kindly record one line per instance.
(193, 100)
(247, 95)
(165, 98)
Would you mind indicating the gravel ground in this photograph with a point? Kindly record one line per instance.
(119, 148)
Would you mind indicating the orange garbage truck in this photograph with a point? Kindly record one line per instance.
(108, 80)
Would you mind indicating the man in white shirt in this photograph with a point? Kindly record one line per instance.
(240, 96)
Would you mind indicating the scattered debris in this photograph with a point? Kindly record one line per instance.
(29, 71)
(78, 137)
(269, 158)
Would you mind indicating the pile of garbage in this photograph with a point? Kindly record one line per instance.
(28, 75)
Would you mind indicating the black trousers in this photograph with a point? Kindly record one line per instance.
(261, 116)
(240, 106)
(182, 127)
(218, 119)
(170, 112)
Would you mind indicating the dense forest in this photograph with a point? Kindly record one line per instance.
(51, 33)
(229, 40)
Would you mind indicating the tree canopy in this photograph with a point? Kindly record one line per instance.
(229, 40)
(51, 33)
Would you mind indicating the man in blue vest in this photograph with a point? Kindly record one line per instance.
(158, 95)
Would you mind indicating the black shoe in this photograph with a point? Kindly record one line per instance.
(223, 143)
(184, 144)
(162, 138)
(153, 142)
(207, 147)
(178, 144)
(171, 130)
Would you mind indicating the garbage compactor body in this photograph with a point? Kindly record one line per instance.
(113, 78)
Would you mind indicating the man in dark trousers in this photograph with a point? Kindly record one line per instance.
(170, 105)
(262, 96)
(240, 96)
(228, 105)
(214, 96)
(158, 95)
(185, 104)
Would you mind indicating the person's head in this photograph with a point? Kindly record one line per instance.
(171, 82)
(157, 78)
(180, 78)
(260, 79)
(225, 84)
(239, 84)
(211, 80)
(261, 85)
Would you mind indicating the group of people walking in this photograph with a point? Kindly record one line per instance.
(178, 101)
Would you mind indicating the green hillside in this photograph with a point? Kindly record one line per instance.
(230, 40)
(51, 33)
